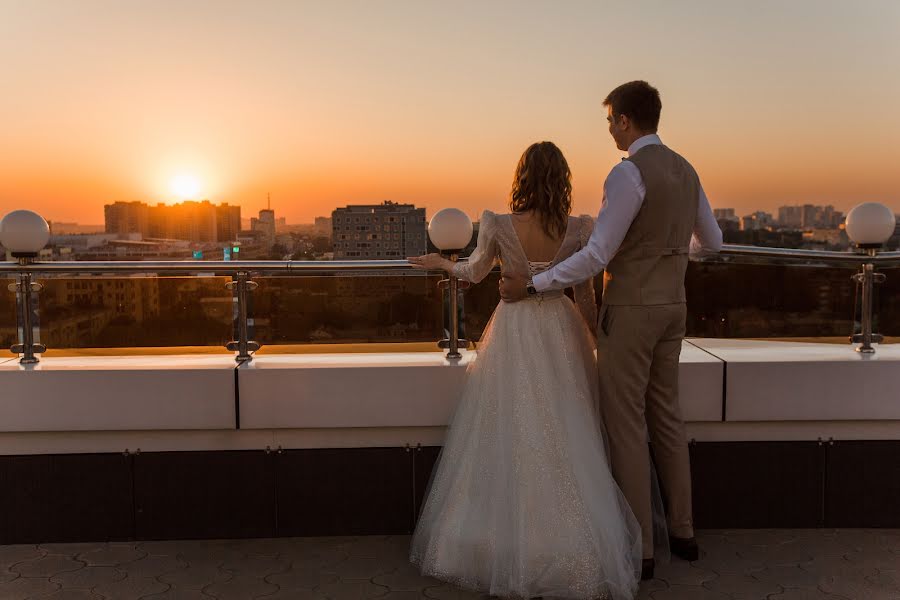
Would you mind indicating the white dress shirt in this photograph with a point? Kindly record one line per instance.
(623, 195)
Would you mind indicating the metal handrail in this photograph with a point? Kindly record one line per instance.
(730, 253)
(226, 267)
(738, 253)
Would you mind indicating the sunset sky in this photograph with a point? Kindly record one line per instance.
(326, 103)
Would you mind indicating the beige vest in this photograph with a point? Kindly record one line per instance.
(650, 264)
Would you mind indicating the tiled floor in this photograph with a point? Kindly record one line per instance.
(738, 565)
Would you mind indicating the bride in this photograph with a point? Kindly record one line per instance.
(522, 502)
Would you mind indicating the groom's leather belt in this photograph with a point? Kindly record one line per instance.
(663, 251)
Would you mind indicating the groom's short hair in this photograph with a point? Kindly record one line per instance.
(639, 101)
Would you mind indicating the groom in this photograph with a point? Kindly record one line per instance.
(654, 213)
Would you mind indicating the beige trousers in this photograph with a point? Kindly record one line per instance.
(638, 348)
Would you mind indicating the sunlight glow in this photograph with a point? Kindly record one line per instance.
(185, 187)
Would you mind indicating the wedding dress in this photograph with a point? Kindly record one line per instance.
(522, 502)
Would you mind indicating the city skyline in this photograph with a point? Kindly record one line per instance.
(775, 105)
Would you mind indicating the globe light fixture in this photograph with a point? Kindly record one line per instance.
(869, 225)
(24, 233)
(450, 230)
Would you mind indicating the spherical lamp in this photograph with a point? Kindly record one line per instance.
(870, 224)
(450, 230)
(24, 233)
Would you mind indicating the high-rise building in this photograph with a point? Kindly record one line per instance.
(379, 231)
(191, 221)
(266, 221)
(727, 219)
(790, 217)
(265, 225)
(810, 215)
(123, 218)
(323, 226)
(228, 222)
(756, 221)
(194, 221)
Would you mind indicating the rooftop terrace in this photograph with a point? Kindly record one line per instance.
(785, 564)
(311, 455)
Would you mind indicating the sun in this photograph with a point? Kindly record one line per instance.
(185, 187)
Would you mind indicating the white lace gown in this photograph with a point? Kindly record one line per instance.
(522, 502)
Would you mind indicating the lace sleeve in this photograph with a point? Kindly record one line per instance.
(483, 258)
(585, 298)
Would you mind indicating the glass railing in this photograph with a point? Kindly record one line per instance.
(361, 308)
(761, 301)
(8, 334)
(748, 292)
(742, 292)
(776, 301)
(134, 311)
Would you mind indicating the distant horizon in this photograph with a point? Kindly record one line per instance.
(774, 213)
(348, 102)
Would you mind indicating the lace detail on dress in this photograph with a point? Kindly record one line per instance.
(535, 267)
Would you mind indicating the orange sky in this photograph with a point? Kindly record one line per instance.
(325, 104)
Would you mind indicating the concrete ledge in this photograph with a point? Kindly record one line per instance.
(789, 381)
(350, 390)
(772, 391)
(700, 384)
(403, 390)
(118, 393)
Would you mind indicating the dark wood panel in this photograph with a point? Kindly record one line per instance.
(757, 484)
(187, 495)
(863, 484)
(65, 498)
(345, 491)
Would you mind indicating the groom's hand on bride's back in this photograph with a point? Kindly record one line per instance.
(512, 288)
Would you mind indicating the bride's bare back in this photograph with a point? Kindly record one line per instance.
(536, 244)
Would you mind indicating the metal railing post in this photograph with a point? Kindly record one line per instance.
(867, 278)
(453, 351)
(23, 289)
(243, 345)
(453, 342)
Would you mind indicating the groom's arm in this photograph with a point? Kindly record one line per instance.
(623, 195)
(707, 236)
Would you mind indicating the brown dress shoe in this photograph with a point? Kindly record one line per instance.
(684, 548)
(647, 566)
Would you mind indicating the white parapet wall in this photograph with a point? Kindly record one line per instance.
(731, 390)
(114, 393)
(792, 381)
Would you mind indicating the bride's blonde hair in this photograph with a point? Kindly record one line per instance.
(543, 184)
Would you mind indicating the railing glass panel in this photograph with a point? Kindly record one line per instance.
(735, 300)
(8, 335)
(886, 319)
(347, 308)
(139, 311)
